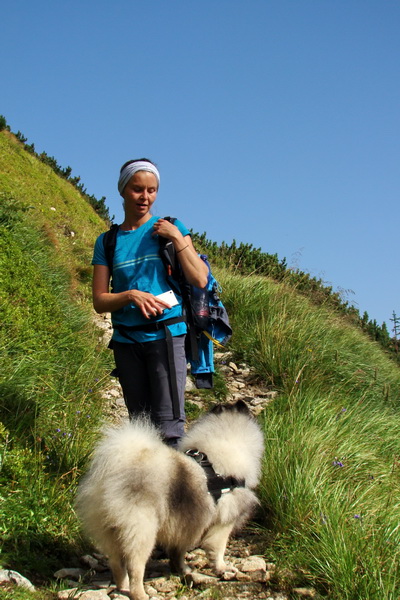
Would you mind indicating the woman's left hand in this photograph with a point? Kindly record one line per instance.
(195, 270)
(166, 229)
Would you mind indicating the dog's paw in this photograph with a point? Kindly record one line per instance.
(186, 570)
(181, 569)
(225, 571)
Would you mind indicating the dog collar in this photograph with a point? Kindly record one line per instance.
(217, 484)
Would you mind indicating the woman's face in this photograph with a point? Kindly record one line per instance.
(140, 193)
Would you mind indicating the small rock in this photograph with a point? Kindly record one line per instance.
(240, 576)
(255, 567)
(73, 573)
(305, 592)
(198, 579)
(16, 579)
(229, 575)
(257, 401)
(92, 563)
(223, 355)
(94, 595)
(237, 385)
(253, 563)
(189, 386)
(114, 393)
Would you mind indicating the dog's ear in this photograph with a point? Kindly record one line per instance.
(242, 407)
(217, 409)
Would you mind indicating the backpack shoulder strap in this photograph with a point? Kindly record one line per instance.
(109, 243)
(168, 253)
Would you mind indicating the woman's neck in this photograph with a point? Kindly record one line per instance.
(134, 222)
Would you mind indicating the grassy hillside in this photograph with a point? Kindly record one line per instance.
(330, 511)
(52, 206)
(52, 366)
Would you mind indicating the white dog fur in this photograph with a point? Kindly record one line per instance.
(139, 493)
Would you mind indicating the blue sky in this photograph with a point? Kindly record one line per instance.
(274, 123)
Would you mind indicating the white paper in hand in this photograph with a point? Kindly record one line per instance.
(168, 297)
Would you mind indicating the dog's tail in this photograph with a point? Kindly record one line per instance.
(120, 446)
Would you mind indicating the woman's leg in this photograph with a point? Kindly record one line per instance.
(162, 413)
(144, 375)
(132, 374)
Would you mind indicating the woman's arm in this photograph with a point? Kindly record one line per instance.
(195, 270)
(105, 301)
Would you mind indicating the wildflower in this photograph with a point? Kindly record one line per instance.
(357, 516)
(337, 463)
(78, 412)
(90, 391)
(58, 430)
(340, 414)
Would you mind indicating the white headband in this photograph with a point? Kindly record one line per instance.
(132, 168)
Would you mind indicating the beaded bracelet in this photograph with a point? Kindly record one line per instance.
(182, 249)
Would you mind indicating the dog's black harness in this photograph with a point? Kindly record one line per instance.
(217, 484)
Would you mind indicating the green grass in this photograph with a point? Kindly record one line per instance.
(330, 486)
(53, 371)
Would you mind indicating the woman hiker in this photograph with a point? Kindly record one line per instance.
(149, 332)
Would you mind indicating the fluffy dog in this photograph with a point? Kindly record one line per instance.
(139, 493)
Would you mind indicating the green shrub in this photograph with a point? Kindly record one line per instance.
(3, 123)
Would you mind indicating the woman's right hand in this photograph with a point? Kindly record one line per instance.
(106, 302)
(149, 305)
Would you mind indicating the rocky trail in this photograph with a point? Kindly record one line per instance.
(250, 575)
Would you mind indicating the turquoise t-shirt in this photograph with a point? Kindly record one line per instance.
(137, 265)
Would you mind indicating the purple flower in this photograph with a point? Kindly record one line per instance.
(338, 463)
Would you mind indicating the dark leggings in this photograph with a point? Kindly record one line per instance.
(144, 376)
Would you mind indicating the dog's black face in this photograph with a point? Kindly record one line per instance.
(240, 406)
